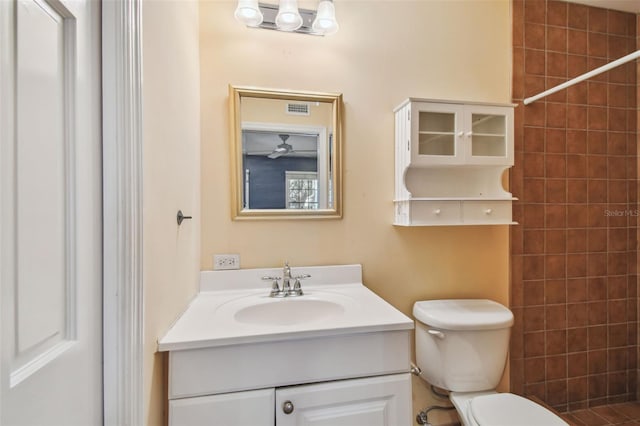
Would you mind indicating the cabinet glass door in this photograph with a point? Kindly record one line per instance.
(488, 135)
(436, 133)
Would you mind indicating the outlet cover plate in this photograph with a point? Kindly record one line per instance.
(226, 261)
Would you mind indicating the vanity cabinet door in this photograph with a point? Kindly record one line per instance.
(255, 408)
(373, 401)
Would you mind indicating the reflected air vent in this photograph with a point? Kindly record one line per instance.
(298, 109)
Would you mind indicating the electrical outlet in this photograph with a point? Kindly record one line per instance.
(226, 261)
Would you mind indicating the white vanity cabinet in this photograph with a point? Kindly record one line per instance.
(449, 159)
(338, 355)
(332, 377)
(372, 401)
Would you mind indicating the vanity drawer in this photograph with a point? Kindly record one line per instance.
(483, 212)
(436, 212)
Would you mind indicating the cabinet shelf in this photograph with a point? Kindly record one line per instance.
(455, 223)
(435, 134)
(459, 199)
(491, 135)
(426, 132)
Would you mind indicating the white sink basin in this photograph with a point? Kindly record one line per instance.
(262, 311)
(288, 311)
(234, 308)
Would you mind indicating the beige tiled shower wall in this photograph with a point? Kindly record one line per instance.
(574, 256)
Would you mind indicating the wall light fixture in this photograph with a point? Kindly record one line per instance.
(288, 17)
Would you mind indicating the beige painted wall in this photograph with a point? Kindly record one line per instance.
(384, 52)
(260, 110)
(171, 117)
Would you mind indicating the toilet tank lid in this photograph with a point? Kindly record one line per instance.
(463, 314)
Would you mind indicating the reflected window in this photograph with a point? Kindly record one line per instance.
(302, 190)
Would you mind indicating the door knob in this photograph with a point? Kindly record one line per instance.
(287, 407)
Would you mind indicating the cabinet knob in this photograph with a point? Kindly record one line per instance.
(488, 211)
(469, 134)
(436, 211)
(461, 134)
(287, 407)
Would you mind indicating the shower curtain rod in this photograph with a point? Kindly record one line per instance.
(599, 70)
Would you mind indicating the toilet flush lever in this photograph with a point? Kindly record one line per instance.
(436, 333)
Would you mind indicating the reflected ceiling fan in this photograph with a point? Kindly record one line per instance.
(282, 149)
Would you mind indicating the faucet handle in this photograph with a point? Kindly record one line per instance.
(302, 277)
(297, 289)
(275, 288)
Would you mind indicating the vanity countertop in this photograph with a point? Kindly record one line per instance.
(231, 306)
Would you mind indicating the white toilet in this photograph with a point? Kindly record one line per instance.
(461, 346)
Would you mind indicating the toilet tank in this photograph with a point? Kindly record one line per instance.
(462, 344)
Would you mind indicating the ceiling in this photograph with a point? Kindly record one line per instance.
(264, 142)
(632, 6)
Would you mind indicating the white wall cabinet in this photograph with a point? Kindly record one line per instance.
(372, 401)
(450, 159)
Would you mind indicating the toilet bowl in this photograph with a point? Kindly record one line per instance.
(501, 409)
(461, 346)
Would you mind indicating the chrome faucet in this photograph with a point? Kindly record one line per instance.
(286, 279)
(286, 289)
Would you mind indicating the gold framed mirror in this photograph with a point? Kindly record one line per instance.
(286, 154)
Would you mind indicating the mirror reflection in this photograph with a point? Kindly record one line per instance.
(286, 154)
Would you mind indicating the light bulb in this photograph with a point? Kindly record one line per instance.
(249, 13)
(288, 18)
(325, 22)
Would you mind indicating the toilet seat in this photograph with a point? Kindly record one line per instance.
(507, 409)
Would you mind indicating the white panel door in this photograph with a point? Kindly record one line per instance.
(50, 213)
(374, 401)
